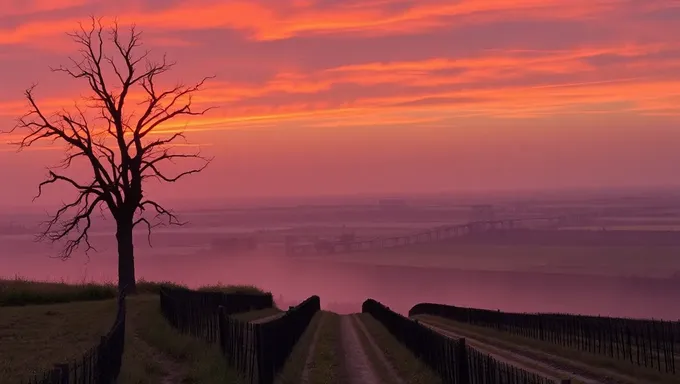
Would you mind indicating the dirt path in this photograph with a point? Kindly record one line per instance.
(310, 353)
(529, 361)
(358, 365)
(394, 376)
(173, 373)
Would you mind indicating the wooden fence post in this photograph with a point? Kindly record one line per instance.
(462, 362)
(265, 374)
(102, 361)
(222, 328)
(55, 375)
(63, 373)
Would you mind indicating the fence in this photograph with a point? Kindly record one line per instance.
(452, 360)
(260, 350)
(234, 302)
(257, 351)
(101, 364)
(484, 369)
(196, 312)
(648, 343)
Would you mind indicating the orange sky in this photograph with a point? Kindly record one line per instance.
(355, 96)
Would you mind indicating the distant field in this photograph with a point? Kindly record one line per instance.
(608, 260)
(626, 227)
(642, 219)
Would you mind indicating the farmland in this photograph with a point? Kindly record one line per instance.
(623, 273)
(158, 351)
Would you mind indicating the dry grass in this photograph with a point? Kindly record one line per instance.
(24, 292)
(19, 291)
(327, 365)
(33, 338)
(408, 367)
(245, 289)
(154, 350)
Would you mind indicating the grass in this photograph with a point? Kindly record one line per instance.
(23, 292)
(154, 350)
(406, 365)
(245, 289)
(598, 364)
(327, 363)
(33, 338)
(19, 291)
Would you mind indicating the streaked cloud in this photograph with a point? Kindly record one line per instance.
(329, 65)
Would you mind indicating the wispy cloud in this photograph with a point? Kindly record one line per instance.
(329, 65)
(267, 20)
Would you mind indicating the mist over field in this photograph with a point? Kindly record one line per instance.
(622, 263)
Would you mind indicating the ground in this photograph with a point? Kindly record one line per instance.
(334, 349)
(546, 358)
(34, 337)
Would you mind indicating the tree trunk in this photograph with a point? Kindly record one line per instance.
(126, 258)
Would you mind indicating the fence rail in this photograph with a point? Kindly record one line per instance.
(100, 364)
(257, 351)
(648, 343)
(197, 312)
(451, 359)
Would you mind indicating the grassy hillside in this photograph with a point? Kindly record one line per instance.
(18, 291)
(72, 317)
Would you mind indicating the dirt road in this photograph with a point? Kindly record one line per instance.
(359, 367)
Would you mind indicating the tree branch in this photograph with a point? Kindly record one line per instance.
(107, 138)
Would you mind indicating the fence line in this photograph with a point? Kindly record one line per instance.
(257, 351)
(648, 343)
(196, 312)
(100, 364)
(451, 359)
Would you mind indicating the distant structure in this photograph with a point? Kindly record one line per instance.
(429, 235)
(235, 244)
(347, 237)
(483, 212)
(14, 229)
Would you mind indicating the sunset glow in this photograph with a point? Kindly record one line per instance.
(309, 90)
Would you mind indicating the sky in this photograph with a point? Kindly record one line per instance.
(319, 97)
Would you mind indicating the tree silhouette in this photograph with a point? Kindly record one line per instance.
(114, 135)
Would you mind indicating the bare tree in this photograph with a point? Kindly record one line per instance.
(114, 135)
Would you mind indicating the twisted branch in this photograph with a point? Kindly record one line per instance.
(108, 138)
